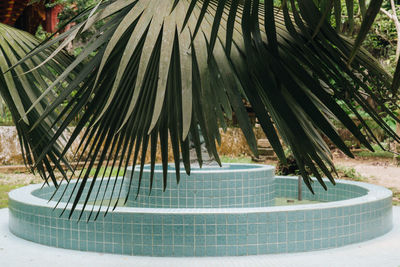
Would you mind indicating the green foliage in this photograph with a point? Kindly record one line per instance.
(349, 173)
(5, 114)
(41, 34)
(396, 196)
(375, 128)
(290, 167)
(382, 36)
(226, 159)
(4, 190)
(71, 8)
(378, 153)
(381, 41)
(108, 171)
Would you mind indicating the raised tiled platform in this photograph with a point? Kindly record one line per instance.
(232, 186)
(380, 251)
(211, 231)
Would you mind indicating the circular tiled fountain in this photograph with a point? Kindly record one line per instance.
(214, 212)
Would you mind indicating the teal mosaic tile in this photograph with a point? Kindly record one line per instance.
(194, 191)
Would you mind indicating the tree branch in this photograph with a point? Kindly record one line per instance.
(395, 19)
(384, 11)
(397, 24)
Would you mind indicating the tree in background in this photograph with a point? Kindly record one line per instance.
(392, 14)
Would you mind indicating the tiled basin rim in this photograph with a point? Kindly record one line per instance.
(356, 212)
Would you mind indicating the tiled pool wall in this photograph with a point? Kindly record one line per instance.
(211, 231)
(232, 186)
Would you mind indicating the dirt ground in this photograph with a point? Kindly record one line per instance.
(19, 178)
(378, 171)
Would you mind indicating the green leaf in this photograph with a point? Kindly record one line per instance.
(370, 15)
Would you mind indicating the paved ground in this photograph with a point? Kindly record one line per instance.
(380, 252)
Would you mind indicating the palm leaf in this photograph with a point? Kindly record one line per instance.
(20, 90)
(169, 68)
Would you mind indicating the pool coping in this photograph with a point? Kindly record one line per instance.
(215, 168)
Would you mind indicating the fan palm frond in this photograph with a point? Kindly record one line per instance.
(160, 70)
(20, 90)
